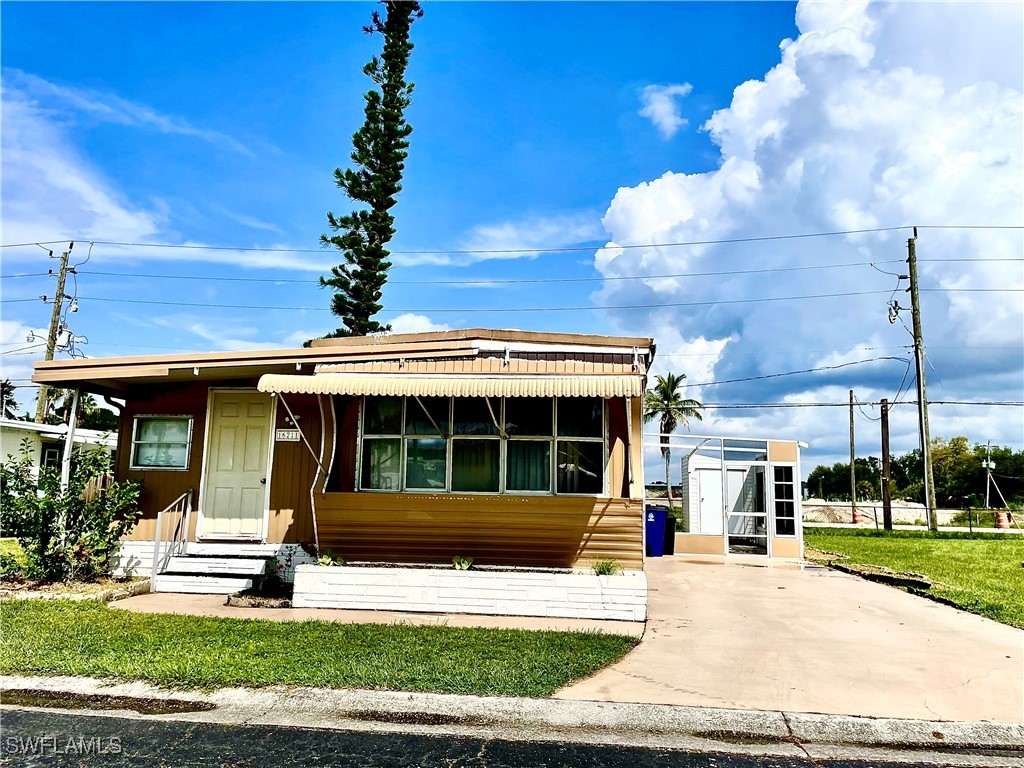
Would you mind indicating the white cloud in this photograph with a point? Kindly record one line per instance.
(413, 323)
(524, 238)
(225, 335)
(661, 107)
(51, 191)
(851, 129)
(111, 108)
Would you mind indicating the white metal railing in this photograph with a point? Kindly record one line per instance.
(178, 512)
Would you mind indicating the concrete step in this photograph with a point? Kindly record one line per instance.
(202, 565)
(202, 585)
(231, 549)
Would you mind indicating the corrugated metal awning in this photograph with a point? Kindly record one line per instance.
(454, 386)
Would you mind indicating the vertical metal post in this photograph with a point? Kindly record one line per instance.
(853, 469)
(886, 477)
(988, 471)
(69, 442)
(725, 497)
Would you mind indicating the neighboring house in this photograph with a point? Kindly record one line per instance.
(46, 441)
(513, 448)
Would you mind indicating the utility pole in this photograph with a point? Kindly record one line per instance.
(853, 471)
(922, 397)
(886, 488)
(51, 336)
(989, 466)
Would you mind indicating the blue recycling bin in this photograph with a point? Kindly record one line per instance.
(654, 520)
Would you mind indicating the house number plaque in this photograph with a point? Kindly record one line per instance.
(287, 436)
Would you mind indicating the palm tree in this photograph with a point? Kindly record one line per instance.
(665, 403)
(8, 405)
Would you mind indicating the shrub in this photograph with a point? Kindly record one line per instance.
(328, 558)
(66, 534)
(461, 562)
(976, 517)
(606, 567)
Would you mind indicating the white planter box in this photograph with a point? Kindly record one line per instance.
(442, 590)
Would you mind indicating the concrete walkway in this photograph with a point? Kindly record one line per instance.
(214, 605)
(811, 640)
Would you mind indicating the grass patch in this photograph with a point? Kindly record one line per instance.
(61, 637)
(981, 573)
(12, 556)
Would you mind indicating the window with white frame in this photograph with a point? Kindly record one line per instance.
(516, 445)
(785, 501)
(161, 442)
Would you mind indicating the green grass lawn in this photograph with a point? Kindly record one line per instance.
(62, 637)
(982, 573)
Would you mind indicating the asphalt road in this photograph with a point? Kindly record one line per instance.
(33, 738)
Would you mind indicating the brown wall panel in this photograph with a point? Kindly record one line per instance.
(295, 468)
(161, 487)
(555, 531)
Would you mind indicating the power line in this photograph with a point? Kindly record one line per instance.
(505, 281)
(501, 281)
(795, 373)
(738, 406)
(723, 241)
(468, 251)
(478, 309)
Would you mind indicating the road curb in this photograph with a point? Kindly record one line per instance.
(734, 731)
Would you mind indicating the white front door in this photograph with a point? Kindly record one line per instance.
(234, 483)
(709, 487)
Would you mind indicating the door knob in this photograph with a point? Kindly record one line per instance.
(263, 481)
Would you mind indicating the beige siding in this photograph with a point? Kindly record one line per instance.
(786, 548)
(556, 531)
(779, 451)
(698, 544)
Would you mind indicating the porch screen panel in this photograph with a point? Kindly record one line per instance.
(382, 464)
(580, 467)
(381, 459)
(528, 467)
(529, 416)
(476, 465)
(483, 444)
(426, 464)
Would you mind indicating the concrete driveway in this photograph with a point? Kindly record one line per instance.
(786, 637)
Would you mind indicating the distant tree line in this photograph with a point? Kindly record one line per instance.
(957, 467)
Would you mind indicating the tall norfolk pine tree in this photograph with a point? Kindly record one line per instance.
(379, 149)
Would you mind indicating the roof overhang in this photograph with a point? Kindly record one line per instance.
(119, 376)
(454, 386)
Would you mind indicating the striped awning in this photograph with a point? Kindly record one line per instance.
(454, 386)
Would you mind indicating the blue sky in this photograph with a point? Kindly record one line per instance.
(542, 126)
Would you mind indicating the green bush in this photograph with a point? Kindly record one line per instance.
(977, 517)
(606, 567)
(64, 534)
